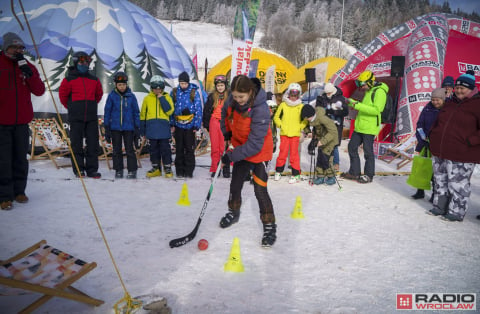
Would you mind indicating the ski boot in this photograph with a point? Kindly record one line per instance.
(132, 174)
(319, 180)
(154, 172)
(168, 171)
(118, 174)
(229, 219)
(330, 181)
(269, 234)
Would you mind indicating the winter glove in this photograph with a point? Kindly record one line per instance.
(227, 136)
(23, 65)
(108, 135)
(186, 112)
(136, 138)
(226, 159)
(351, 102)
(312, 145)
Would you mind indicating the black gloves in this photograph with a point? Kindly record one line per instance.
(186, 112)
(312, 145)
(108, 135)
(227, 136)
(225, 159)
(23, 65)
(136, 138)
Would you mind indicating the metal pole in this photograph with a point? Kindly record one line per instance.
(341, 28)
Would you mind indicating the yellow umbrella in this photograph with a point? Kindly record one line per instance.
(324, 69)
(265, 59)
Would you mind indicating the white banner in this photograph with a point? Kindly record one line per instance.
(242, 52)
(270, 79)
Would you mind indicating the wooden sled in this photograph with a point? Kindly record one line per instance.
(45, 270)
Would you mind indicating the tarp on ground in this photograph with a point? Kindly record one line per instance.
(324, 69)
(117, 34)
(262, 59)
(434, 45)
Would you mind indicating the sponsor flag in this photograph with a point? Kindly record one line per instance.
(270, 79)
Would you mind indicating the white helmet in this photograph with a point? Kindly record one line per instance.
(294, 87)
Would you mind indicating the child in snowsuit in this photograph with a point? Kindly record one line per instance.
(212, 114)
(122, 123)
(246, 124)
(424, 124)
(157, 108)
(325, 138)
(187, 120)
(287, 118)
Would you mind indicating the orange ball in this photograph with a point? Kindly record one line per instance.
(202, 244)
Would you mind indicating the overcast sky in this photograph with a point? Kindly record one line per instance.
(464, 5)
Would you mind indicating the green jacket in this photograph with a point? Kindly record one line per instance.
(369, 117)
(325, 130)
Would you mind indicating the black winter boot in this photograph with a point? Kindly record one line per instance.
(229, 219)
(132, 175)
(119, 174)
(419, 195)
(269, 234)
(226, 171)
(442, 206)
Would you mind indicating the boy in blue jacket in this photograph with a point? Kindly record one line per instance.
(157, 107)
(122, 123)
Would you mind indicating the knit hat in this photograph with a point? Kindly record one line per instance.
(466, 80)
(438, 93)
(448, 82)
(184, 77)
(330, 88)
(11, 39)
(307, 112)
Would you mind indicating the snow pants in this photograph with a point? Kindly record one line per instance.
(217, 143)
(160, 151)
(127, 138)
(185, 152)
(87, 160)
(289, 144)
(260, 177)
(355, 141)
(452, 185)
(13, 160)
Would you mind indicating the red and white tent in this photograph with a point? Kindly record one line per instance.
(434, 45)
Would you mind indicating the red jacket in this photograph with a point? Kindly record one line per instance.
(15, 92)
(251, 135)
(80, 93)
(455, 135)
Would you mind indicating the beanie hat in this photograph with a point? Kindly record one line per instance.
(438, 93)
(466, 80)
(11, 39)
(471, 72)
(330, 88)
(184, 77)
(448, 82)
(307, 112)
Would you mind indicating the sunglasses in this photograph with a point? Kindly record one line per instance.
(121, 78)
(360, 83)
(295, 93)
(220, 78)
(84, 59)
(17, 48)
(156, 86)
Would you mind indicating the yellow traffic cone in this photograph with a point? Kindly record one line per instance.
(234, 263)
(297, 212)
(183, 200)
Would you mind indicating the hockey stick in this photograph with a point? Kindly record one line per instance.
(189, 237)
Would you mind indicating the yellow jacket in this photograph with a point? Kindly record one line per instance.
(287, 118)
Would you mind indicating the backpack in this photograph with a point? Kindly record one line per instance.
(388, 113)
(174, 94)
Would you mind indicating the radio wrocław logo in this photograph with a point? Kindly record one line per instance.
(437, 301)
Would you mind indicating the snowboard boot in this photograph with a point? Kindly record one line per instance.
(154, 172)
(226, 171)
(119, 174)
(319, 180)
(229, 219)
(419, 195)
(132, 174)
(168, 171)
(269, 234)
(330, 181)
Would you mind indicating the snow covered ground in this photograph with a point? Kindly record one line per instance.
(353, 252)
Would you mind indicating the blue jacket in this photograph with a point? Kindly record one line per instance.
(184, 108)
(425, 122)
(121, 112)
